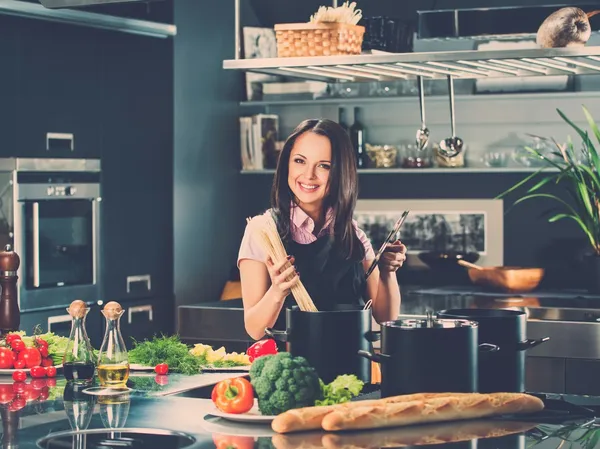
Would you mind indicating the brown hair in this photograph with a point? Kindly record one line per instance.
(343, 185)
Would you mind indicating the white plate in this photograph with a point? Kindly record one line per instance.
(8, 372)
(138, 367)
(252, 416)
(220, 426)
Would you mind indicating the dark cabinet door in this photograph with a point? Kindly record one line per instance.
(8, 79)
(137, 167)
(60, 90)
(145, 318)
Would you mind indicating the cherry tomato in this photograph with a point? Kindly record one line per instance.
(20, 364)
(41, 343)
(6, 358)
(161, 368)
(39, 384)
(15, 355)
(51, 382)
(19, 376)
(50, 371)
(7, 393)
(47, 361)
(38, 371)
(17, 345)
(43, 351)
(31, 356)
(12, 337)
(44, 394)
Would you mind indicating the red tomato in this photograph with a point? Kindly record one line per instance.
(44, 394)
(6, 358)
(12, 337)
(161, 368)
(15, 355)
(31, 356)
(17, 345)
(19, 376)
(20, 364)
(17, 404)
(31, 394)
(41, 343)
(43, 351)
(51, 382)
(47, 361)
(50, 371)
(38, 384)
(38, 371)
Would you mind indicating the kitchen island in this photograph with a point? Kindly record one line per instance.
(151, 417)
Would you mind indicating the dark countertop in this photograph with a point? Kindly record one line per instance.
(64, 410)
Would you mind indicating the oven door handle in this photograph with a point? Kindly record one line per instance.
(57, 319)
(140, 309)
(36, 243)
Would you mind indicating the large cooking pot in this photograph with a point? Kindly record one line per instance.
(503, 371)
(430, 355)
(330, 340)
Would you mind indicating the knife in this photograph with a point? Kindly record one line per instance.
(397, 227)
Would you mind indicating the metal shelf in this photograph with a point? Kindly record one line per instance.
(383, 171)
(468, 64)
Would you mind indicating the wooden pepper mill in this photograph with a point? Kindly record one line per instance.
(10, 315)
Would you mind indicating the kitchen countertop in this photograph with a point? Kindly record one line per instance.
(145, 409)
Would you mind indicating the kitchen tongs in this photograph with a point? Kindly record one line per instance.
(397, 227)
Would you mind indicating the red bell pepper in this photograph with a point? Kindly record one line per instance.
(260, 348)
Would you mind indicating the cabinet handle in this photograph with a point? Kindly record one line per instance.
(141, 278)
(57, 320)
(36, 244)
(61, 140)
(140, 309)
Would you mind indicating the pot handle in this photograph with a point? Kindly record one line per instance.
(372, 336)
(377, 358)
(486, 348)
(277, 335)
(531, 343)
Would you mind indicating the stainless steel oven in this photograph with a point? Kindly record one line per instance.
(50, 212)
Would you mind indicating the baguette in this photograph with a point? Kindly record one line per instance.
(310, 418)
(436, 409)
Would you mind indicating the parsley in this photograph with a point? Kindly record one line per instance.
(169, 350)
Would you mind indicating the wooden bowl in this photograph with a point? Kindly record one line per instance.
(507, 279)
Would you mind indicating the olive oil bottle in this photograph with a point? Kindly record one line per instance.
(113, 362)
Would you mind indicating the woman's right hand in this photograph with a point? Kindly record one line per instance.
(280, 274)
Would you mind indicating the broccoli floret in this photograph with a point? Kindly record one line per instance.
(283, 382)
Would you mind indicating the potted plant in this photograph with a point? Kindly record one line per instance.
(580, 176)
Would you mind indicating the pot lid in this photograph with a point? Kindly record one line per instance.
(430, 323)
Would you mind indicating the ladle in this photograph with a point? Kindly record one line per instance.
(451, 146)
(464, 263)
(422, 139)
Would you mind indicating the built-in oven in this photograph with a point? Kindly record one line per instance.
(53, 221)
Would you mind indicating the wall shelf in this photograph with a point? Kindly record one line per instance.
(385, 171)
(467, 64)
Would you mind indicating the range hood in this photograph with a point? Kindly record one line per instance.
(56, 4)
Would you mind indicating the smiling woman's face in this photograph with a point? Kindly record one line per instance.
(310, 163)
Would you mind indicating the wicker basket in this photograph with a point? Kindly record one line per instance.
(318, 39)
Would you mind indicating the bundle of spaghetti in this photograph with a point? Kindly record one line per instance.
(273, 246)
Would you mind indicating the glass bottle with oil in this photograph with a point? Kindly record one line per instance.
(113, 362)
(78, 360)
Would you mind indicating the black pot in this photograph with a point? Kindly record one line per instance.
(504, 370)
(428, 356)
(330, 340)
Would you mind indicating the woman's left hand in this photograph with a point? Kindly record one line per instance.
(393, 257)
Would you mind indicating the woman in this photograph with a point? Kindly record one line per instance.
(313, 198)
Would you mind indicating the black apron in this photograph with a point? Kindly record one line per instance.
(329, 278)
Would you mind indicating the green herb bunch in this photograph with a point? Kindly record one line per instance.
(581, 180)
(165, 349)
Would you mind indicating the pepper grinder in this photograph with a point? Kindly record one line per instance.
(10, 315)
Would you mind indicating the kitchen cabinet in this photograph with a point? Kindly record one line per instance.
(59, 322)
(8, 78)
(59, 89)
(137, 165)
(147, 317)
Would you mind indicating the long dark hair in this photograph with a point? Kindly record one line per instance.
(343, 186)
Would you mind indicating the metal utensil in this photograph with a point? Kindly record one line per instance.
(422, 138)
(397, 227)
(451, 146)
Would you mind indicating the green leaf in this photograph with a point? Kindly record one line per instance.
(591, 148)
(520, 183)
(542, 183)
(578, 221)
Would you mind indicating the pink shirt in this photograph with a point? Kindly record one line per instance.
(302, 227)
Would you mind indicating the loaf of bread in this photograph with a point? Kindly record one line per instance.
(435, 409)
(404, 410)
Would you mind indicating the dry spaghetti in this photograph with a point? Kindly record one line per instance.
(273, 246)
